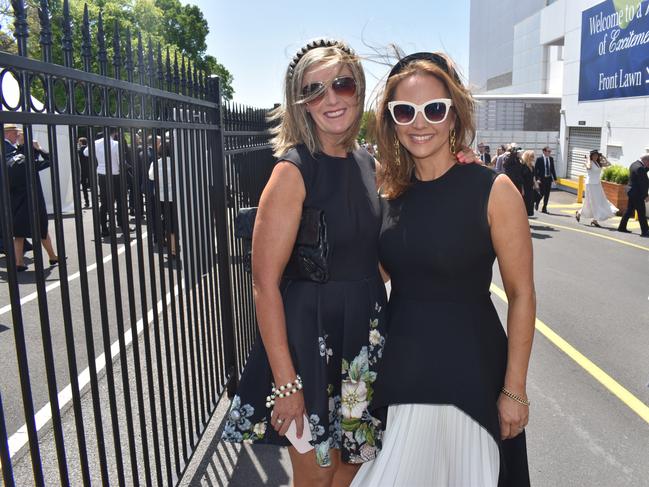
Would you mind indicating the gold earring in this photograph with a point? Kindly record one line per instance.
(451, 140)
(397, 152)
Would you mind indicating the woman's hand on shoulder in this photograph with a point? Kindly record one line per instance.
(468, 156)
(277, 222)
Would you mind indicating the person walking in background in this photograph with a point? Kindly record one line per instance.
(530, 186)
(165, 194)
(485, 157)
(452, 382)
(513, 167)
(595, 206)
(500, 150)
(17, 162)
(85, 168)
(107, 204)
(500, 160)
(638, 190)
(147, 156)
(545, 174)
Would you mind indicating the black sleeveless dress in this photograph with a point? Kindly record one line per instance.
(445, 343)
(336, 329)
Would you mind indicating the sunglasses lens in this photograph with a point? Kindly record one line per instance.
(403, 113)
(345, 86)
(312, 89)
(435, 112)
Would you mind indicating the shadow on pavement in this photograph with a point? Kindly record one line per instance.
(235, 465)
(541, 228)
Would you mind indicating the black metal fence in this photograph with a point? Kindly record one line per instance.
(121, 352)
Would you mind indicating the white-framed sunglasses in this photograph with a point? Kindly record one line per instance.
(434, 111)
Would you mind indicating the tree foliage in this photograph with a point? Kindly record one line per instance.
(368, 127)
(182, 29)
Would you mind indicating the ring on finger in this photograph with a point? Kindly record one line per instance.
(280, 421)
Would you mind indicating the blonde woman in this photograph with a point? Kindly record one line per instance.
(453, 384)
(318, 341)
(530, 186)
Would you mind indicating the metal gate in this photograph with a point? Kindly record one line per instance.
(114, 359)
(581, 140)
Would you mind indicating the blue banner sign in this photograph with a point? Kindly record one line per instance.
(614, 50)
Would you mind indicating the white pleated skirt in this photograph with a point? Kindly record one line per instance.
(428, 445)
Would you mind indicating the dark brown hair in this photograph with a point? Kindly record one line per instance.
(397, 164)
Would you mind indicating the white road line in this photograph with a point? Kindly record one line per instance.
(44, 415)
(72, 277)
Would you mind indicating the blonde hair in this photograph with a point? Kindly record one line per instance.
(528, 158)
(295, 125)
(397, 164)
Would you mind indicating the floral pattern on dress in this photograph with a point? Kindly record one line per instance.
(361, 432)
(345, 424)
(238, 426)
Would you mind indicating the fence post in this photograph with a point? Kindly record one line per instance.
(219, 198)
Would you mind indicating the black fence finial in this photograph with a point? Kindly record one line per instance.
(117, 54)
(66, 41)
(101, 43)
(86, 42)
(20, 26)
(45, 38)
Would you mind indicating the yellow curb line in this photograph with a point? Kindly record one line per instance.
(591, 233)
(635, 404)
(567, 205)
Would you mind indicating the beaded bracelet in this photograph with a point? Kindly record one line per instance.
(515, 397)
(283, 391)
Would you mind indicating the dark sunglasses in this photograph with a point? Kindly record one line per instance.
(343, 86)
(434, 111)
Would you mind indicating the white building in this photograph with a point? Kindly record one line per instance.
(592, 55)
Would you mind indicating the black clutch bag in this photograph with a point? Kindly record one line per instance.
(309, 259)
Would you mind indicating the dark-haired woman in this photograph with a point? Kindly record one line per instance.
(452, 381)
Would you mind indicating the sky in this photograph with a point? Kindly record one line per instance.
(256, 39)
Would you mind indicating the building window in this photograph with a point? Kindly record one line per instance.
(499, 81)
(542, 117)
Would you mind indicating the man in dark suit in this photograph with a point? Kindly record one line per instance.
(545, 174)
(12, 133)
(485, 157)
(638, 190)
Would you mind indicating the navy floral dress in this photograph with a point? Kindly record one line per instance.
(336, 329)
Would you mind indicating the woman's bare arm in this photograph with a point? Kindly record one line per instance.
(512, 242)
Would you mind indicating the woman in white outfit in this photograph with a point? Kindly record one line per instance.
(595, 206)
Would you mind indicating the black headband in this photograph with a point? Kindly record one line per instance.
(314, 45)
(424, 56)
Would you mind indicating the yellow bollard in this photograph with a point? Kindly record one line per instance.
(580, 190)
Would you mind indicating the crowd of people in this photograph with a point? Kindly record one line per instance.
(153, 187)
(533, 176)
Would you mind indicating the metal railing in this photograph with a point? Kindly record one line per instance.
(146, 341)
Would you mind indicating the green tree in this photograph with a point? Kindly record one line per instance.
(209, 64)
(181, 29)
(368, 127)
